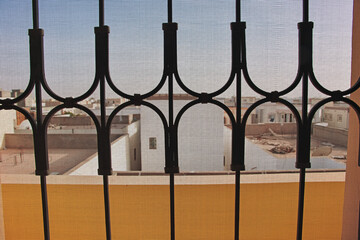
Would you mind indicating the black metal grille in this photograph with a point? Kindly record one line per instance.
(170, 75)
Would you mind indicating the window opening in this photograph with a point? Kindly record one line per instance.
(171, 121)
(152, 143)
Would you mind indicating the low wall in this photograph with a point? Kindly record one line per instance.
(85, 120)
(263, 128)
(335, 136)
(140, 208)
(70, 141)
(71, 121)
(73, 131)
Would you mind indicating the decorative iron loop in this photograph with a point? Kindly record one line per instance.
(169, 68)
(22, 111)
(269, 99)
(294, 84)
(75, 105)
(252, 84)
(144, 103)
(222, 106)
(352, 89)
(317, 85)
(351, 103)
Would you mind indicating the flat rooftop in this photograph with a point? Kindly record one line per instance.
(22, 161)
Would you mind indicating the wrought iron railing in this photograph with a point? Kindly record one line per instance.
(170, 75)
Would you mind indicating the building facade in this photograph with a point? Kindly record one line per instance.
(200, 136)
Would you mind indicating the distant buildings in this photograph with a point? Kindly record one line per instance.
(5, 94)
(72, 143)
(271, 112)
(27, 102)
(204, 134)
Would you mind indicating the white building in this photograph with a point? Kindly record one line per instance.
(200, 136)
(8, 119)
(125, 154)
(337, 115)
(274, 112)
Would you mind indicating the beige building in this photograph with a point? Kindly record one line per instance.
(337, 116)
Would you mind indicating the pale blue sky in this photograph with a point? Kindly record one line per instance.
(204, 43)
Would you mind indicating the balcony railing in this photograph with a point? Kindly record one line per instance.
(170, 76)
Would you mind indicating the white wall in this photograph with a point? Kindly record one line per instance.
(133, 131)
(227, 147)
(7, 118)
(200, 138)
(119, 155)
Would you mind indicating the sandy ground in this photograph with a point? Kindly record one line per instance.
(269, 142)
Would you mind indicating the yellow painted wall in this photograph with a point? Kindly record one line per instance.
(268, 211)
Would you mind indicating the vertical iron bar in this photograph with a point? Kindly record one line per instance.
(305, 57)
(103, 146)
(107, 206)
(43, 175)
(35, 13)
(105, 177)
(302, 169)
(37, 71)
(172, 206)
(238, 99)
(171, 126)
(102, 103)
(36, 65)
(238, 11)
(169, 11)
(305, 10)
(237, 129)
(237, 205)
(301, 204)
(45, 207)
(171, 102)
(101, 13)
(304, 110)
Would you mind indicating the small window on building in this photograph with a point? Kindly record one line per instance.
(271, 118)
(152, 143)
(328, 116)
(339, 118)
